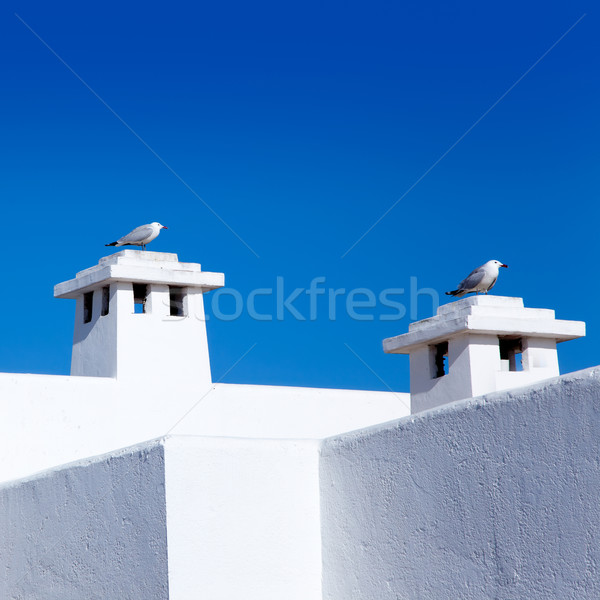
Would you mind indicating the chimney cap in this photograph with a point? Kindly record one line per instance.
(139, 266)
(495, 315)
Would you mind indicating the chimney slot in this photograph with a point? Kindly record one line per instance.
(140, 293)
(440, 360)
(88, 303)
(511, 354)
(105, 300)
(176, 305)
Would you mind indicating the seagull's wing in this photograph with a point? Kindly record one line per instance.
(492, 284)
(139, 234)
(472, 280)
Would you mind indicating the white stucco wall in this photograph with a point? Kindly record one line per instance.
(495, 497)
(50, 420)
(281, 412)
(240, 517)
(243, 518)
(94, 530)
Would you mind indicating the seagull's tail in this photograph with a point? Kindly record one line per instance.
(456, 293)
(112, 244)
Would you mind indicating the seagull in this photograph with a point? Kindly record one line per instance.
(140, 236)
(482, 279)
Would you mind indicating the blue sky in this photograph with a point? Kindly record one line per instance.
(300, 125)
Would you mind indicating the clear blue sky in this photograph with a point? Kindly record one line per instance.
(300, 125)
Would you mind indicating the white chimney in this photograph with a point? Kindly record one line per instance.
(140, 314)
(478, 345)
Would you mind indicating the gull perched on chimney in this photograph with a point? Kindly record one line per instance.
(140, 236)
(482, 279)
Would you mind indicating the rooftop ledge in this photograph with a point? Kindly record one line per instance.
(139, 266)
(495, 315)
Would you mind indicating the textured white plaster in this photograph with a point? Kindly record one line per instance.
(95, 530)
(50, 420)
(243, 519)
(289, 412)
(494, 497)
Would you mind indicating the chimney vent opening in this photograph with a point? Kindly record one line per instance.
(105, 300)
(140, 293)
(511, 354)
(88, 303)
(176, 304)
(440, 360)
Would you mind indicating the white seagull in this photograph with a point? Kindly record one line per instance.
(482, 279)
(140, 236)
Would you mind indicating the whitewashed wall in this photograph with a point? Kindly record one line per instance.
(243, 519)
(49, 420)
(237, 518)
(95, 530)
(485, 498)
(495, 497)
